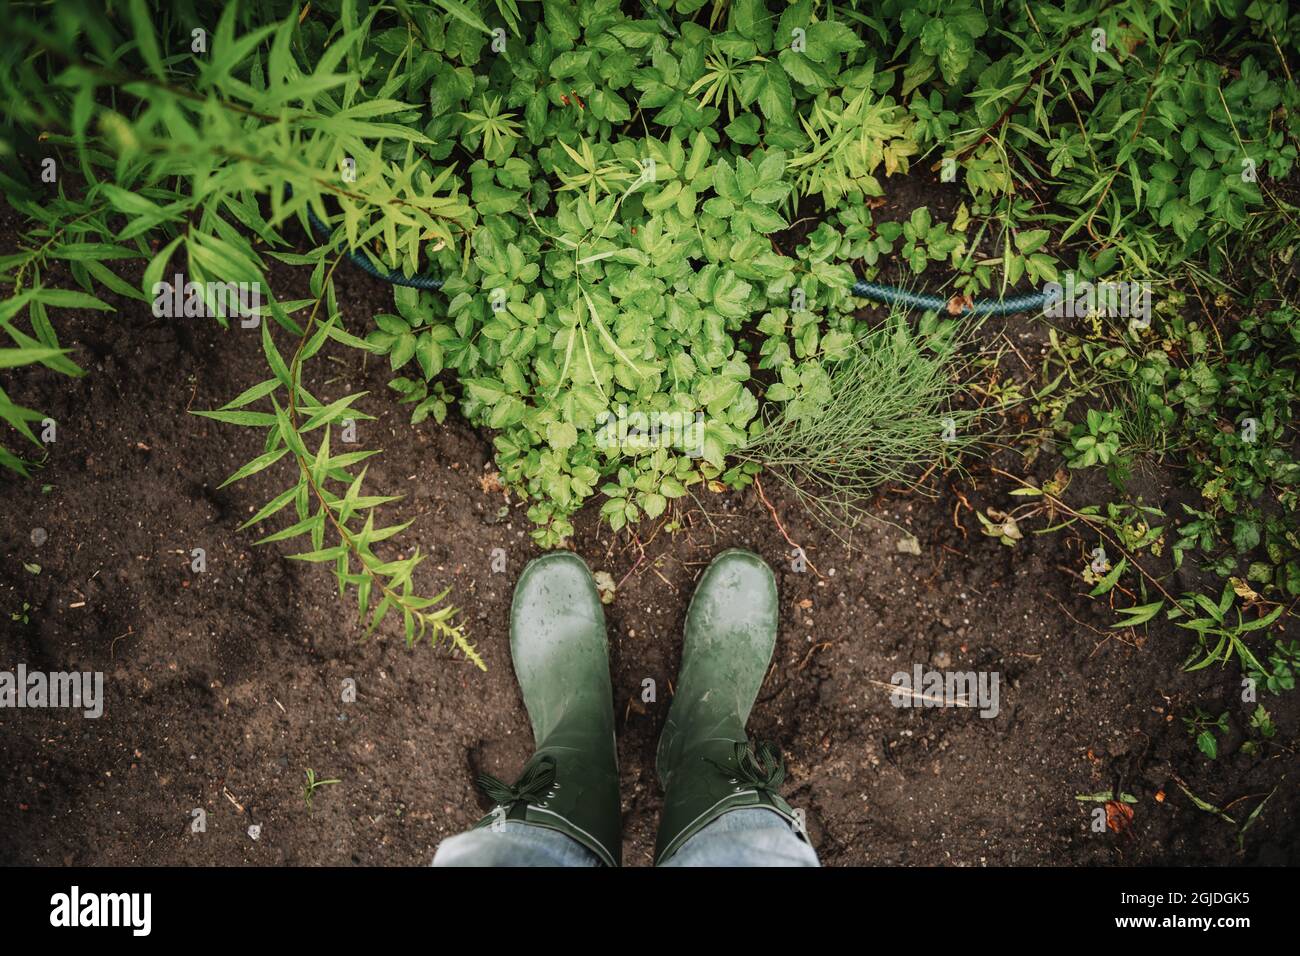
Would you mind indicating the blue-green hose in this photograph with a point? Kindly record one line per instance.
(888, 294)
(365, 265)
(891, 295)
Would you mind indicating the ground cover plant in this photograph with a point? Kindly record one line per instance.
(647, 213)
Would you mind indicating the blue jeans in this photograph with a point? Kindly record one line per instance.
(746, 837)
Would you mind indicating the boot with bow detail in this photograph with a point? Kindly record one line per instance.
(561, 658)
(705, 763)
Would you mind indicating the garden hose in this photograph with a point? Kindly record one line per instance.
(892, 295)
(365, 265)
(888, 294)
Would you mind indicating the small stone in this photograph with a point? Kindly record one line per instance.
(605, 586)
(908, 545)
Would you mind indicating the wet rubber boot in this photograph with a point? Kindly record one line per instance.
(704, 762)
(561, 658)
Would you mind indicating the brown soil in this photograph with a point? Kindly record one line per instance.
(223, 687)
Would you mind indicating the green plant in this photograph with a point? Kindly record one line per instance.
(1204, 728)
(430, 399)
(1240, 451)
(844, 427)
(924, 240)
(1105, 796)
(339, 521)
(1095, 440)
(1224, 414)
(1283, 666)
(174, 150)
(313, 784)
(1220, 636)
(1261, 724)
(848, 139)
(495, 130)
(1241, 827)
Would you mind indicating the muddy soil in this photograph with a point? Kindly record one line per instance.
(224, 686)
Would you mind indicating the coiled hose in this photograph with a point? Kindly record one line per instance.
(876, 291)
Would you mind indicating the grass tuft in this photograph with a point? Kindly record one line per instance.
(887, 413)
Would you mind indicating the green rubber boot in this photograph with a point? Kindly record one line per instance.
(704, 762)
(557, 642)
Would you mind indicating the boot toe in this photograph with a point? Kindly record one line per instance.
(556, 614)
(736, 595)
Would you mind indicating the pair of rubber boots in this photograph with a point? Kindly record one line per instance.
(704, 762)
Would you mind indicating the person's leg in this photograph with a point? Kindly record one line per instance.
(514, 844)
(570, 784)
(746, 837)
(705, 763)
